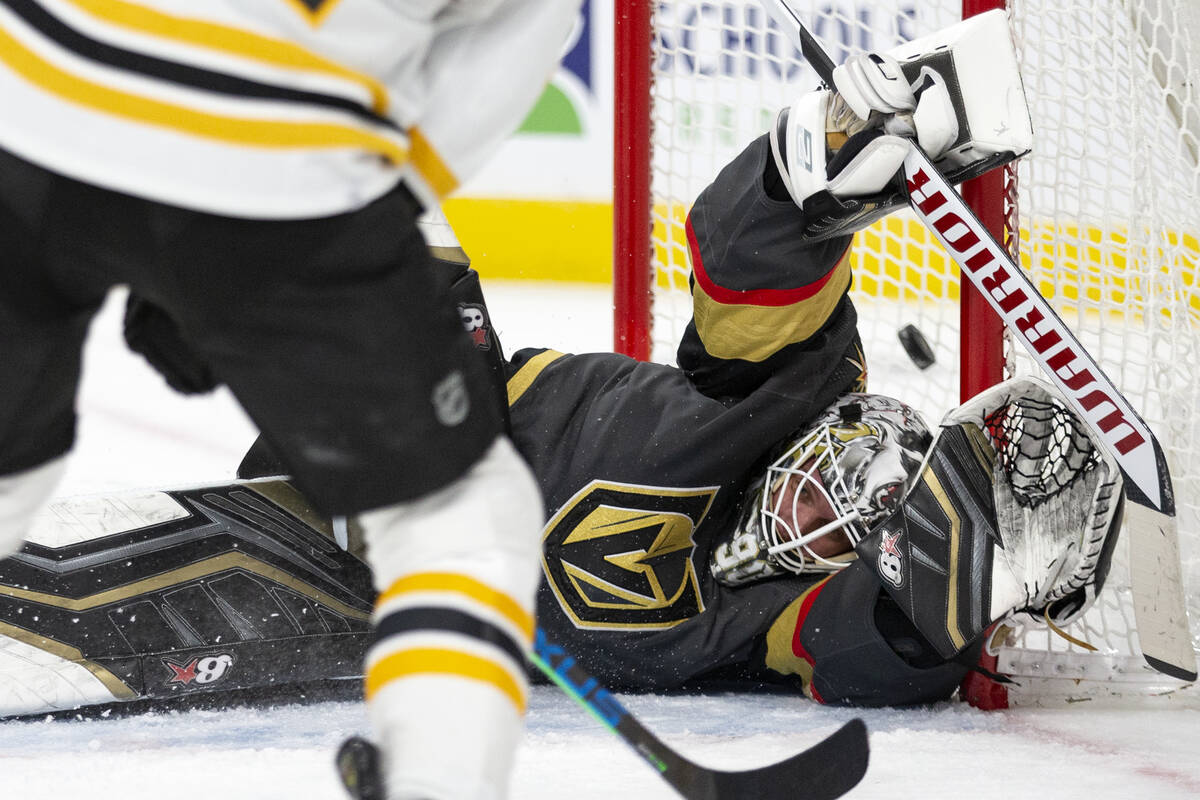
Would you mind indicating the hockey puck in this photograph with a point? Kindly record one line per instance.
(917, 346)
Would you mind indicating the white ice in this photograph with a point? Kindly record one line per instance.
(135, 433)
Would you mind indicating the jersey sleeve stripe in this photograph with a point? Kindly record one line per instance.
(436, 661)
(785, 653)
(228, 40)
(228, 129)
(755, 333)
(519, 383)
(100, 52)
(428, 162)
(754, 297)
(465, 585)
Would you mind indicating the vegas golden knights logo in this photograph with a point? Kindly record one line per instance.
(622, 556)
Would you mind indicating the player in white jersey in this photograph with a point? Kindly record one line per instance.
(254, 168)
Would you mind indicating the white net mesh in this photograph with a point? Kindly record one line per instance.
(1109, 221)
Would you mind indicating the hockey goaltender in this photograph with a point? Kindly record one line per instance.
(751, 518)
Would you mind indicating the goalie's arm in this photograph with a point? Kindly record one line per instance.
(769, 238)
(760, 289)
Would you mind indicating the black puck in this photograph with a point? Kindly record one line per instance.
(917, 346)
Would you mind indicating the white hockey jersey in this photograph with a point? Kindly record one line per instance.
(271, 108)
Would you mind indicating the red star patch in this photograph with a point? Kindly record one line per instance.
(890, 543)
(182, 674)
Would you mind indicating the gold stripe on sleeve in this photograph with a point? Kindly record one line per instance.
(755, 333)
(427, 161)
(527, 374)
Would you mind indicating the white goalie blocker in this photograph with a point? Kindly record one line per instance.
(957, 93)
(1058, 498)
(977, 61)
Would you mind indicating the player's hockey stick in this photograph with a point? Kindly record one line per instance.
(1155, 571)
(825, 771)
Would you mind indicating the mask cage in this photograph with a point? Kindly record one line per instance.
(812, 464)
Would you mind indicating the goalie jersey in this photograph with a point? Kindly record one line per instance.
(643, 468)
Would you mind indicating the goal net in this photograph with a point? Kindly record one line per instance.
(1104, 214)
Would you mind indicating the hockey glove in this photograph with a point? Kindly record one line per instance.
(1015, 515)
(151, 332)
(839, 152)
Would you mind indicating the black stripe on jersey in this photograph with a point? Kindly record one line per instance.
(69, 38)
(405, 620)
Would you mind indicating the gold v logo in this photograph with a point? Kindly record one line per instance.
(620, 556)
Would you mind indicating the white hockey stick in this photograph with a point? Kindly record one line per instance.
(1155, 570)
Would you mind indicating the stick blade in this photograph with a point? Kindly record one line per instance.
(825, 771)
(1156, 580)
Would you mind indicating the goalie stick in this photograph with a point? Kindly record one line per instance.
(824, 771)
(1155, 569)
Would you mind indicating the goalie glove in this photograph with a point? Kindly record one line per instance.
(872, 91)
(958, 93)
(838, 151)
(1014, 515)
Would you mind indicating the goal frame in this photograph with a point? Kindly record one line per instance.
(992, 197)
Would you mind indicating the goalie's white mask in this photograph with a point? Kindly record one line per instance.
(827, 488)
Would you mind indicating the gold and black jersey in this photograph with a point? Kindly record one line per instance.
(268, 108)
(643, 466)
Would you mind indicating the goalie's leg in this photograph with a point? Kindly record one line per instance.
(446, 683)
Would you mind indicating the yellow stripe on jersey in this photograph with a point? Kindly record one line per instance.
(225, 39)
(434, 661)
(755, 333)
(233, 130)
(780, 656)
(428, 162)
(527, 374)
(478, 591)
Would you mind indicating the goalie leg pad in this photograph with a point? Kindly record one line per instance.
(446, 682)
(21, 495)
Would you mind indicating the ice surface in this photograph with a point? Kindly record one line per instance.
(135, 433)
